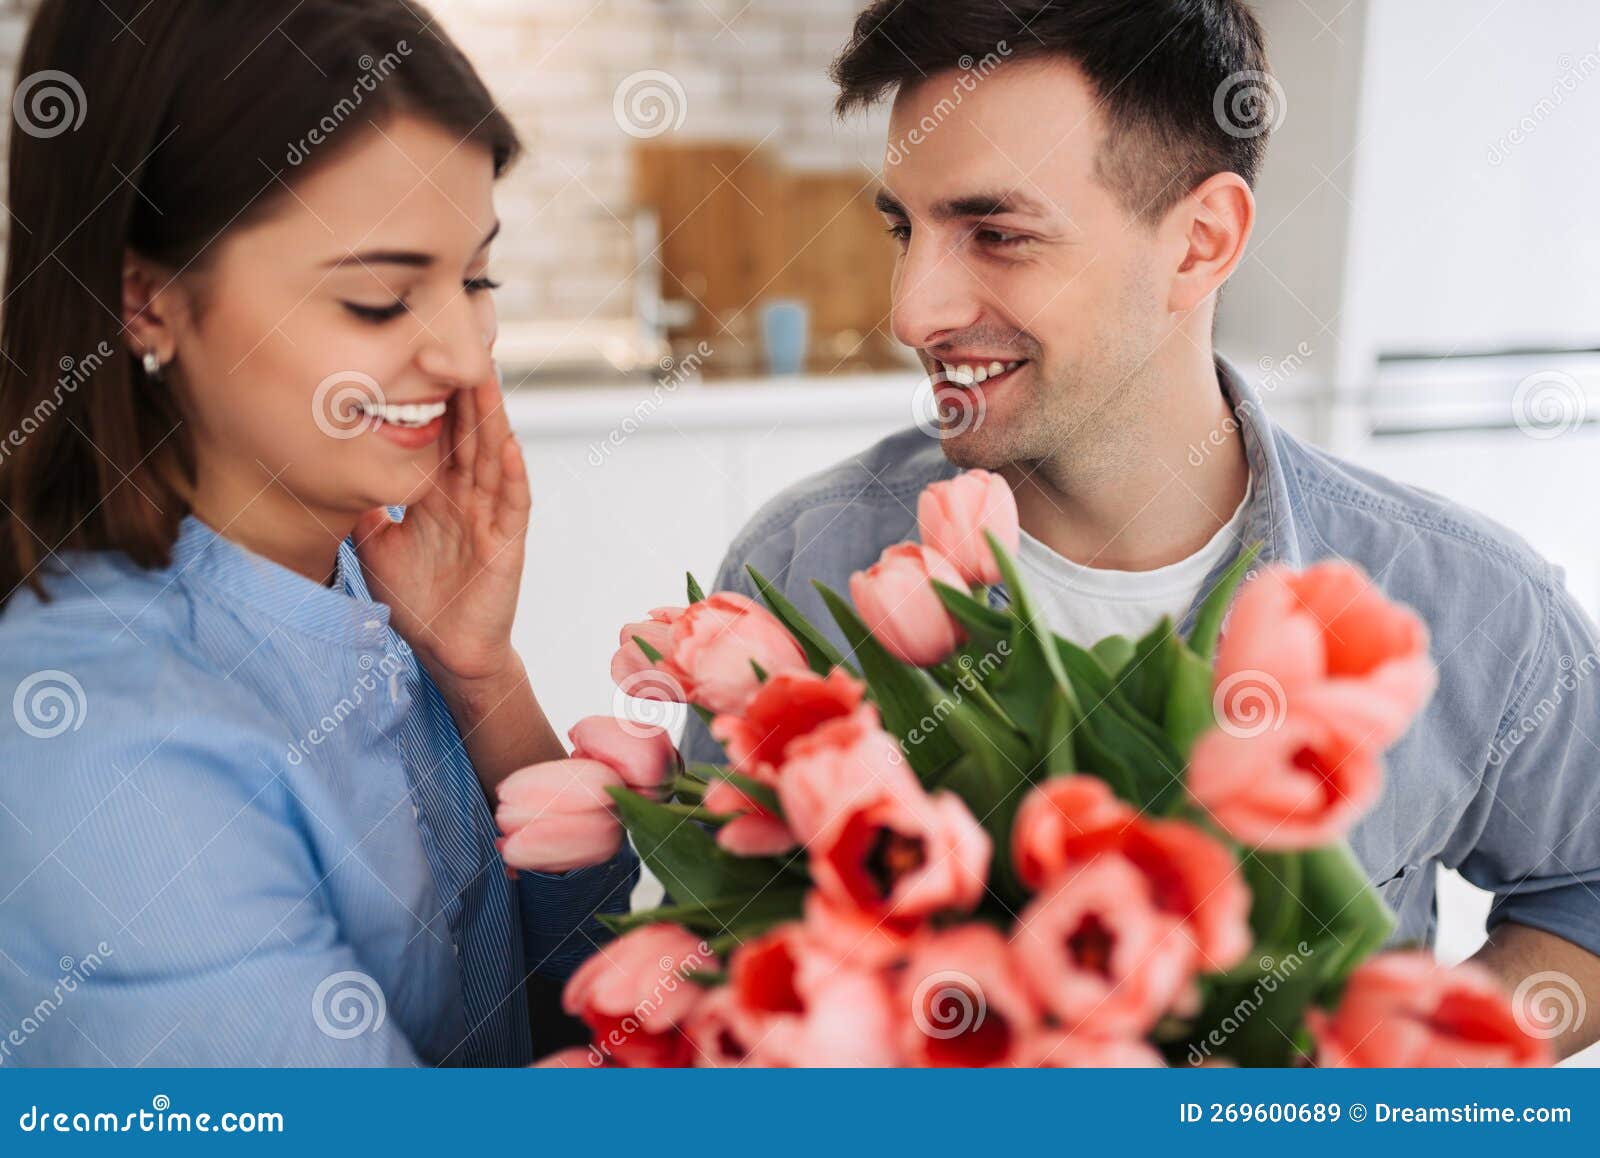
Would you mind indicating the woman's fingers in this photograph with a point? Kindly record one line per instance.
(464, 432)
(516, 496)
(493, 429)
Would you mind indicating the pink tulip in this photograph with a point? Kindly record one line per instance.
(641, 754)
(803, 1007)
(721, 1036)
(637, 674)
(715, 644)
(968, 1005)
(1402, 1009)
(953, 515)
(846, 933)
(754, 831)
(634, 995)
(897, 602)
(789, 705)
(1302, 785)
(838, 765)
(1068, 820)
(877, 841)
(1059, 1049)
(1098, 952)
(558, 816)
(1326, 641)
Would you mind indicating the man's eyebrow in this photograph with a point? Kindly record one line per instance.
(414, 259)
(990, 205)
(886, 203)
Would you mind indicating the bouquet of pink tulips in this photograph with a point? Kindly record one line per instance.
(981, 844)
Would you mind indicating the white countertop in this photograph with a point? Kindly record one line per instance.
(723, 403)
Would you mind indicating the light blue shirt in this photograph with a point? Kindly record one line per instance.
(1500, 775)
(238, 827)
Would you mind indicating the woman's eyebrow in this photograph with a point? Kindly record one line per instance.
(414, 259)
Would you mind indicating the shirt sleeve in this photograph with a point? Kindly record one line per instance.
(559, 926)
(161, 903)
(1539, 850)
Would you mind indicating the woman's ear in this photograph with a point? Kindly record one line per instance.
(1214, 222)
(149, 303)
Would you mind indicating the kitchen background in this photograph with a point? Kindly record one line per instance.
(1418, 296)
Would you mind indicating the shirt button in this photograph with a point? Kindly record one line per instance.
(372, 625)
(456, 949)
(394, 686)
(416, 813)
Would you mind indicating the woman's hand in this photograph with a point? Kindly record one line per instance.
(452, 570)
(451, 573)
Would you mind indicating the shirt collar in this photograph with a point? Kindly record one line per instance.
(343, 613)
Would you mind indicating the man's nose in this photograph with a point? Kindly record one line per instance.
(933, 294)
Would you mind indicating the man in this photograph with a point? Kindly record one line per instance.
(1065, 222)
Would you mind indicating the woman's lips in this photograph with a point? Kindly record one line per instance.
(411, 426)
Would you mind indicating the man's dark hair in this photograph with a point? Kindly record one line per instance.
(1166, 74)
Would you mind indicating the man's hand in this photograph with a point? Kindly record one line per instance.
(1559, 1004)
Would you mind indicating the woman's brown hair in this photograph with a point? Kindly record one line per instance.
(155, 129)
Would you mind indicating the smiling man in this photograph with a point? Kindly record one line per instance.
(1065, 221)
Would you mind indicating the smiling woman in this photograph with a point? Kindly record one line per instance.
(247, 314)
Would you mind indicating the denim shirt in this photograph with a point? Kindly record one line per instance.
(238, 827)
(1500, 775)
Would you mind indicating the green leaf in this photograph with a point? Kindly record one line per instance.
(743, 917)
(905, 695)
(1346, 919)
(1147, 676)
(1189, 711)
(650, 653)
(685, 857)
(1114, 652)
(1115, 740)
(695, 594)
(822, 656)
(1059, 744)
(1208, 620)
(981, 620)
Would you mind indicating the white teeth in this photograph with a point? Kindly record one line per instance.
(965, 375)
(411, 414)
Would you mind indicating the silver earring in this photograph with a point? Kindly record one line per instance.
(152, 363)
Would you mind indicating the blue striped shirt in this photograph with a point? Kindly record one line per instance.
(238, 827)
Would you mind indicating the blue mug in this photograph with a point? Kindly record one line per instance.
(785, 328)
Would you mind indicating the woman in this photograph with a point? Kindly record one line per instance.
(242, 787)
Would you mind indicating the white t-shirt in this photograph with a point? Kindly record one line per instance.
(1086, 604)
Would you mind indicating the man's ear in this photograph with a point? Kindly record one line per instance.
(150, 300)
(1211, 227)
